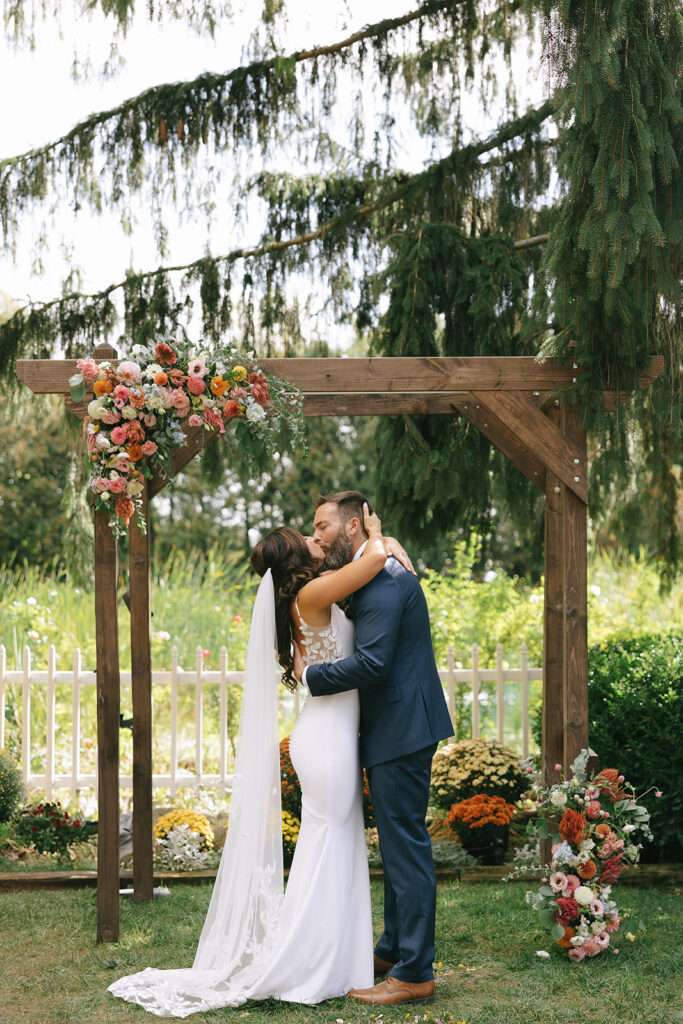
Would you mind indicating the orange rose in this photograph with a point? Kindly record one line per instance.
(587, 870)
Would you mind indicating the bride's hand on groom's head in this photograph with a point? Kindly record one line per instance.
(397, 551)
(371, 522)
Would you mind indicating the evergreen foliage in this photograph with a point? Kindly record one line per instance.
(451, 247)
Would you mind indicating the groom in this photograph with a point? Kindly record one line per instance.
(403, 716)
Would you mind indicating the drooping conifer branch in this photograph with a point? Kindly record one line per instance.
(458, 161)
(252, 105)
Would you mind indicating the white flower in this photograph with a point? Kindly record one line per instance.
(583, 857)
(197, 367)
(558, 798)
(129, 372)
(596, 907)
(33, 635)
(542, 952)
(31, 600)
(96, 409)
(586, 844)
(257, 412)
(102, 442)
(151, 370)
(583, 895)
(104, 496)
(630, 828)
(632, 852)
(558, 881)
(129, 413)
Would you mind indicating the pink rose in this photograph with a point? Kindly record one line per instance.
(181, 402)
(110, 417)
(576, 954)
(88, 369)
(573, 882)
(149, 448)
(593, 810)
(100, 484)
(119, 435)
(195, 420)
(117, 485)
(129, 371)
(166, 396)
(612, 925)
(196, 386)
(149, 419)
(122, 465)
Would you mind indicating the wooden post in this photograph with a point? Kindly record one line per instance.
(553, 624)
(108, 706)
(141, 684)
(576, 603)
(565, 644)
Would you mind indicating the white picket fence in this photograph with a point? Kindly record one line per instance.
(39, 745)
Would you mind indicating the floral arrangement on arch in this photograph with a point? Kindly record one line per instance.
(140, 406)
(597, 826)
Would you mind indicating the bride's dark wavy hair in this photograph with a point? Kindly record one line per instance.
(285, 553)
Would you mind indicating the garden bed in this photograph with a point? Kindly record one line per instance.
(644, 876)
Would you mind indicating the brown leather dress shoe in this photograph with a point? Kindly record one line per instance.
(381, 966)
(392, 991)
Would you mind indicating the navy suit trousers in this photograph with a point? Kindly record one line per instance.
(400, 795)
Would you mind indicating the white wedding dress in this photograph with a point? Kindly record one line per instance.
(316, 942)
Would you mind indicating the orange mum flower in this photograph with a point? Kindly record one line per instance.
(481, 810)
(102, 387)
(587, 870)
(220, 386)
(572, 826)
(564, 942)
(137, 399)
(134, 452)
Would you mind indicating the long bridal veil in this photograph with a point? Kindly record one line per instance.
(242, 917)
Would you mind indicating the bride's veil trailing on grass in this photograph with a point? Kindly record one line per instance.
(240, 930)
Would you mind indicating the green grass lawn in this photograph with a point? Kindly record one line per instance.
(53, 972)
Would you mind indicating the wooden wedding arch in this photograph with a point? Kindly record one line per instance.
(509, 400)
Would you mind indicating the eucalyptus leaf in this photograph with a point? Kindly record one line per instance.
(77, 393)
(557, 932)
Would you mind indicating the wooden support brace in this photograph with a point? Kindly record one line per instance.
(108, 705)
(141, 683)
(499, 434)
(536, 431)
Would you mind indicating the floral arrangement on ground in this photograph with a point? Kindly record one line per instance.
(140, 406)
(597, 826)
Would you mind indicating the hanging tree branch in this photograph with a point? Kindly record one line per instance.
(413, 184)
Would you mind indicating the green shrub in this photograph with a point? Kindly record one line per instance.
(635, 708)
(469, 767)
(49, 828)
(11, 787)
(635, 723)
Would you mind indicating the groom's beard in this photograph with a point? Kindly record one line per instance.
(340, 551)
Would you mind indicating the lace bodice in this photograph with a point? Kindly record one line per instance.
(322, 642)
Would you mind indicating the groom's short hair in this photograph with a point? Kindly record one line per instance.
(349, 503)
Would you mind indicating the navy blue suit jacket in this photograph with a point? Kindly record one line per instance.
(402, 704)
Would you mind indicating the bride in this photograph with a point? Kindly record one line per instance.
(315, 942)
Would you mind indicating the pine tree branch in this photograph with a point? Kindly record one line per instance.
(464, 156)
(210, 81)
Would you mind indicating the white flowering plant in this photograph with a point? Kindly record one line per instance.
(181, 849)
(142, 407)
(596, 826)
